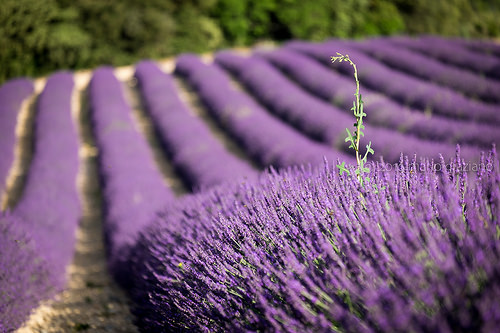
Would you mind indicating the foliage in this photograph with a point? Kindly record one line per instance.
(39, 37)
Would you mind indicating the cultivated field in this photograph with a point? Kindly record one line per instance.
(201, 193)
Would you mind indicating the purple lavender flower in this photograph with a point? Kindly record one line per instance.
(309, 250)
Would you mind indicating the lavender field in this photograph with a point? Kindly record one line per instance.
(207, 189)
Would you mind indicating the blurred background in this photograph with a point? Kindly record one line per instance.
(40, 36)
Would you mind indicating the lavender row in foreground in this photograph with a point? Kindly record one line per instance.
(406, 89)
(320, 119)
(262, 136)
(133, 186)
(197, 155)
(50, 204)
(448, 52)
(427, 68)
(12, 94)
(382, 111)
(315, 252)
(46, 217)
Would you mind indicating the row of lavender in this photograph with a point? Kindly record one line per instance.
(133, 188)
(461, 79)
(198, 156)
(37, 236)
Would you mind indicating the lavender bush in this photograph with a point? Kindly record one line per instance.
(384, 112)
(196, 153)
(12, 94)
(313, 251)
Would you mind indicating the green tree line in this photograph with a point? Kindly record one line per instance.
(38, 37)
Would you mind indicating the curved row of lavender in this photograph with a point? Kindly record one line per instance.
(469, 83)
(320, 119)
(406, 89)
(449, 52)
(133, 189)
(12, 94)
(307, 251)
(46, 216)
(483, 46)
(383, 111)
(200, 158)
(265, 138)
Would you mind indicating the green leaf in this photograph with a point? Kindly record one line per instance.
(343, 169)
(369, 148)
(349, 136)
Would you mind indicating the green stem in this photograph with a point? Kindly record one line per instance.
(358, 122)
